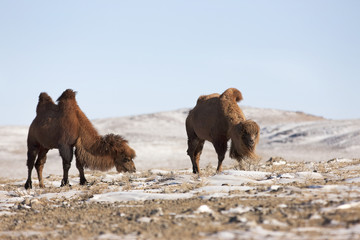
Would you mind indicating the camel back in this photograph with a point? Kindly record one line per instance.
(204, 98)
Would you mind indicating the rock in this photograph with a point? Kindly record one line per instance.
(237, 219)
(26, 202)
(157, 212)
(34, 203)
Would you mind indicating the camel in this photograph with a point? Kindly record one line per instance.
(64, 126)
(217, 118)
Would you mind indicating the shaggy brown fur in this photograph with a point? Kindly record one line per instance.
(115, 154)
(64, 126)
(218, 118)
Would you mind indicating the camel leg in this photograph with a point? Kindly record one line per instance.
(190, 152)
(31, 154)
(39, 165)
(80, 167)
(195, 147)
(197, 153)
(66, 153)
(192, 144)
(220, 148)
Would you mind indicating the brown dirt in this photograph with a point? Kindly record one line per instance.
(292, 208)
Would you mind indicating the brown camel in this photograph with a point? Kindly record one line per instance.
(65, 126)
(218, 118)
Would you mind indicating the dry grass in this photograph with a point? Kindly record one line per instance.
(274, 205)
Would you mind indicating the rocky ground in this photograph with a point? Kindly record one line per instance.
(290, 200)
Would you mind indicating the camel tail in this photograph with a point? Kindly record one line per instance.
(232, 94)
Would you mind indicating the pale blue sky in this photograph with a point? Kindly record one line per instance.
(133, 57)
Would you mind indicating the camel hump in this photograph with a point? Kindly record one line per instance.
(44, 97)
(232, 94)
(67, 94)
(45, 103)
(203, 98)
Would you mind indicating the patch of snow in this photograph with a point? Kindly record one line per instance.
(136, 195)
(221, 189)
(237, 210)
(315, 216)
(352, 168)
(160, 172)
(353, 180)
(144, 220)
(207, 196)
(109, 178)
(278, 163)
(275, 222)
(343, 160)
(226, 235)
(238, 178)
(255, 175)
(287, 175)
(309, 175)
(204, 209)
(6, 213)
(349, 205)
(274, 188)
(66, 195)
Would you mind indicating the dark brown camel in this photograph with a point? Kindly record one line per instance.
(218, 118)
(65, 126)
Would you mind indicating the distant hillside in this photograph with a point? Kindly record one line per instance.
(160, 140)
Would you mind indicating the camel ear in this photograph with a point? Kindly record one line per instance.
(130, 152)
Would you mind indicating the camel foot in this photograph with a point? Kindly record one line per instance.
(196, 170)
(65, 183)
(83, 182)
(41, 185)
(28, 184)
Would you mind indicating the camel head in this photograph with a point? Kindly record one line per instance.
(244, 138)
(118, 148)
(124, 160)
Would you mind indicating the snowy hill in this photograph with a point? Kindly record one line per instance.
(160, 140)
(312, 192)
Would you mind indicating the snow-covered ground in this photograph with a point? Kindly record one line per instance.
(162, 184)
(316, 200)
